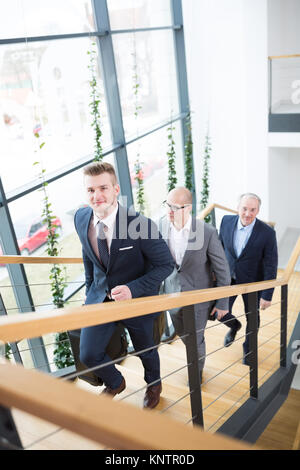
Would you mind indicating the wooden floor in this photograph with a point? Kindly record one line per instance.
(281, 432)
(225, 381)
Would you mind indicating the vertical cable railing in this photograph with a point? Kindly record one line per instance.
(195, 388)
(256, 371)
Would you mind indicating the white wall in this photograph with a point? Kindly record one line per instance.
(284, 39)
(284, 188)
(226, 47)
(284, 152)
(283, 30)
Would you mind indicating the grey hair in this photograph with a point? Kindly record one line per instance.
(250, 195)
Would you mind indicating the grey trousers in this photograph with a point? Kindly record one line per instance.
(201, 317)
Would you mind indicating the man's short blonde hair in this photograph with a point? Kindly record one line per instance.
(97, 168)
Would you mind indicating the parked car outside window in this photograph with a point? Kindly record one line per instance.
(32, 236)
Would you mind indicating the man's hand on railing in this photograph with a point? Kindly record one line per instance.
(121, 293)
(264, 304)
(219, 313)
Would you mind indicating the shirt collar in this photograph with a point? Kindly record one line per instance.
(109, 220)
(240, 226)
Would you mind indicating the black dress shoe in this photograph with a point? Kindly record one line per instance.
(152, 395)
(230, 336)
(115, 391)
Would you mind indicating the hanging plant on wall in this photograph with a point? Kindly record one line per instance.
(205, 177)
(139, 178)
(188, 154)
(171, 155)
(62, 353)
(95, 103)
(138, 166)
(8, 351)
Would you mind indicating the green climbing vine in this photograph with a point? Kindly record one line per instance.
(205, 177)
(62, 353)
(188, 154)
(95, 103)
(8, 351)
(171, 155)
(138, 165)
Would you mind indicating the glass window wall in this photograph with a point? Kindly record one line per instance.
(45, 90)
(27, 18)
(145, 63)
(132, 14)
(151, 151)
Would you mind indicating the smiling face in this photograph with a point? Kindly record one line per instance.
(248, 210)
(102, 192)
(179, 206)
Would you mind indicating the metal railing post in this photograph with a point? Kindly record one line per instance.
(283, 325)
(9, 437)
(193, 361)
(13, 345)
(253, 330)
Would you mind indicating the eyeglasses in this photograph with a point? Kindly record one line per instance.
(175, 208)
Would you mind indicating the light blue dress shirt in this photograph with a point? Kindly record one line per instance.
(241, 236)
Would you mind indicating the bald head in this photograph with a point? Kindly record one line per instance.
(179, 204)
(182, 195)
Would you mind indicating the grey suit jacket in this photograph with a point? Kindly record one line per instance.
(204, 260)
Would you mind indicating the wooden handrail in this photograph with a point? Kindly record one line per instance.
(18, 326)
(292, 261)
(213, 206)
(115, 424)
(287, 56)
(19, 259)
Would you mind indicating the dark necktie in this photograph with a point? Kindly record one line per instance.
(102, 245)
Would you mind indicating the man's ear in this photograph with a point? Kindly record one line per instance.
(117, 189)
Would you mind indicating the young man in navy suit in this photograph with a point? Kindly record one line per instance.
(124, 257)
(251, 250)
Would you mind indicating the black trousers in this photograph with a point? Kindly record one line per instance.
(231, 321)
(94, 341)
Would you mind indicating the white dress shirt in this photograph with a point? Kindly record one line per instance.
(109, 222)
(241, 236)
(178, 240)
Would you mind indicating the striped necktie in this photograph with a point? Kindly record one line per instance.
(102, 245)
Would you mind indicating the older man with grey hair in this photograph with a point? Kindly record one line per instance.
(251, 250)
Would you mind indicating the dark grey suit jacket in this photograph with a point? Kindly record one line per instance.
(204, 264)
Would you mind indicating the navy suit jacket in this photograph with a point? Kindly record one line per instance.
(259, 259)
(139, 257)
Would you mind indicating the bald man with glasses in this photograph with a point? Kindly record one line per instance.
(200, 263)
